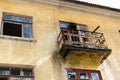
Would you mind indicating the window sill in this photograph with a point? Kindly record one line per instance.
(18, 38)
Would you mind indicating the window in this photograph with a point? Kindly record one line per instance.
(16, 73)
(26, 72)
(74, 32)
(4, 71)
(95, 76)
(80, 74)
(83, 76)
(71, 75)
(16, 26)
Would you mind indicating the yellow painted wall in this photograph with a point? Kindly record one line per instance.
(45, 31)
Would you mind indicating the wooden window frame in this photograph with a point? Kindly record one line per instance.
(78, 71)
(21, 67)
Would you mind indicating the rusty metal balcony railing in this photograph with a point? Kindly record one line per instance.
(81, 38)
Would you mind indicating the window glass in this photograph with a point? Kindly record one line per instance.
(64, 25)
(83, 76)
(27, 79)
(4, 71)
(95, 76)
(27, 31)
(15, 78)
(82, 28)
(71, 74)
(17, 19)
(16, 73)
(27, 72)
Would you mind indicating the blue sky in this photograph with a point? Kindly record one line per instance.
(109, 3)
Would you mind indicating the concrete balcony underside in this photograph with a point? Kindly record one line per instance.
(84, 56)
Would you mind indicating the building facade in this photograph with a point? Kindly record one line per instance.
(58, 40)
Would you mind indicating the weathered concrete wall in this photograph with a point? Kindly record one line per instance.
(45, 31)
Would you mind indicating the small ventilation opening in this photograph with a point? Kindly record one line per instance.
(12, 29)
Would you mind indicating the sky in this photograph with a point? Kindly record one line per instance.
(109, 3)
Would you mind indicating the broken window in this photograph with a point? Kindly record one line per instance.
(17, 26)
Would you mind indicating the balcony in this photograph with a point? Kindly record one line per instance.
(82, 46)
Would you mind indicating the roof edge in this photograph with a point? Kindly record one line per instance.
(92, 5)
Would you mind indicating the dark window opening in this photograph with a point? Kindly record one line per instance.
(72, 26)
(15, 71)
(12, 29)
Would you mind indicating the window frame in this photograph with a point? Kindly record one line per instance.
(16, 22)
(82, 38)
(21, 67)
(88, 72)
(75, 74)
